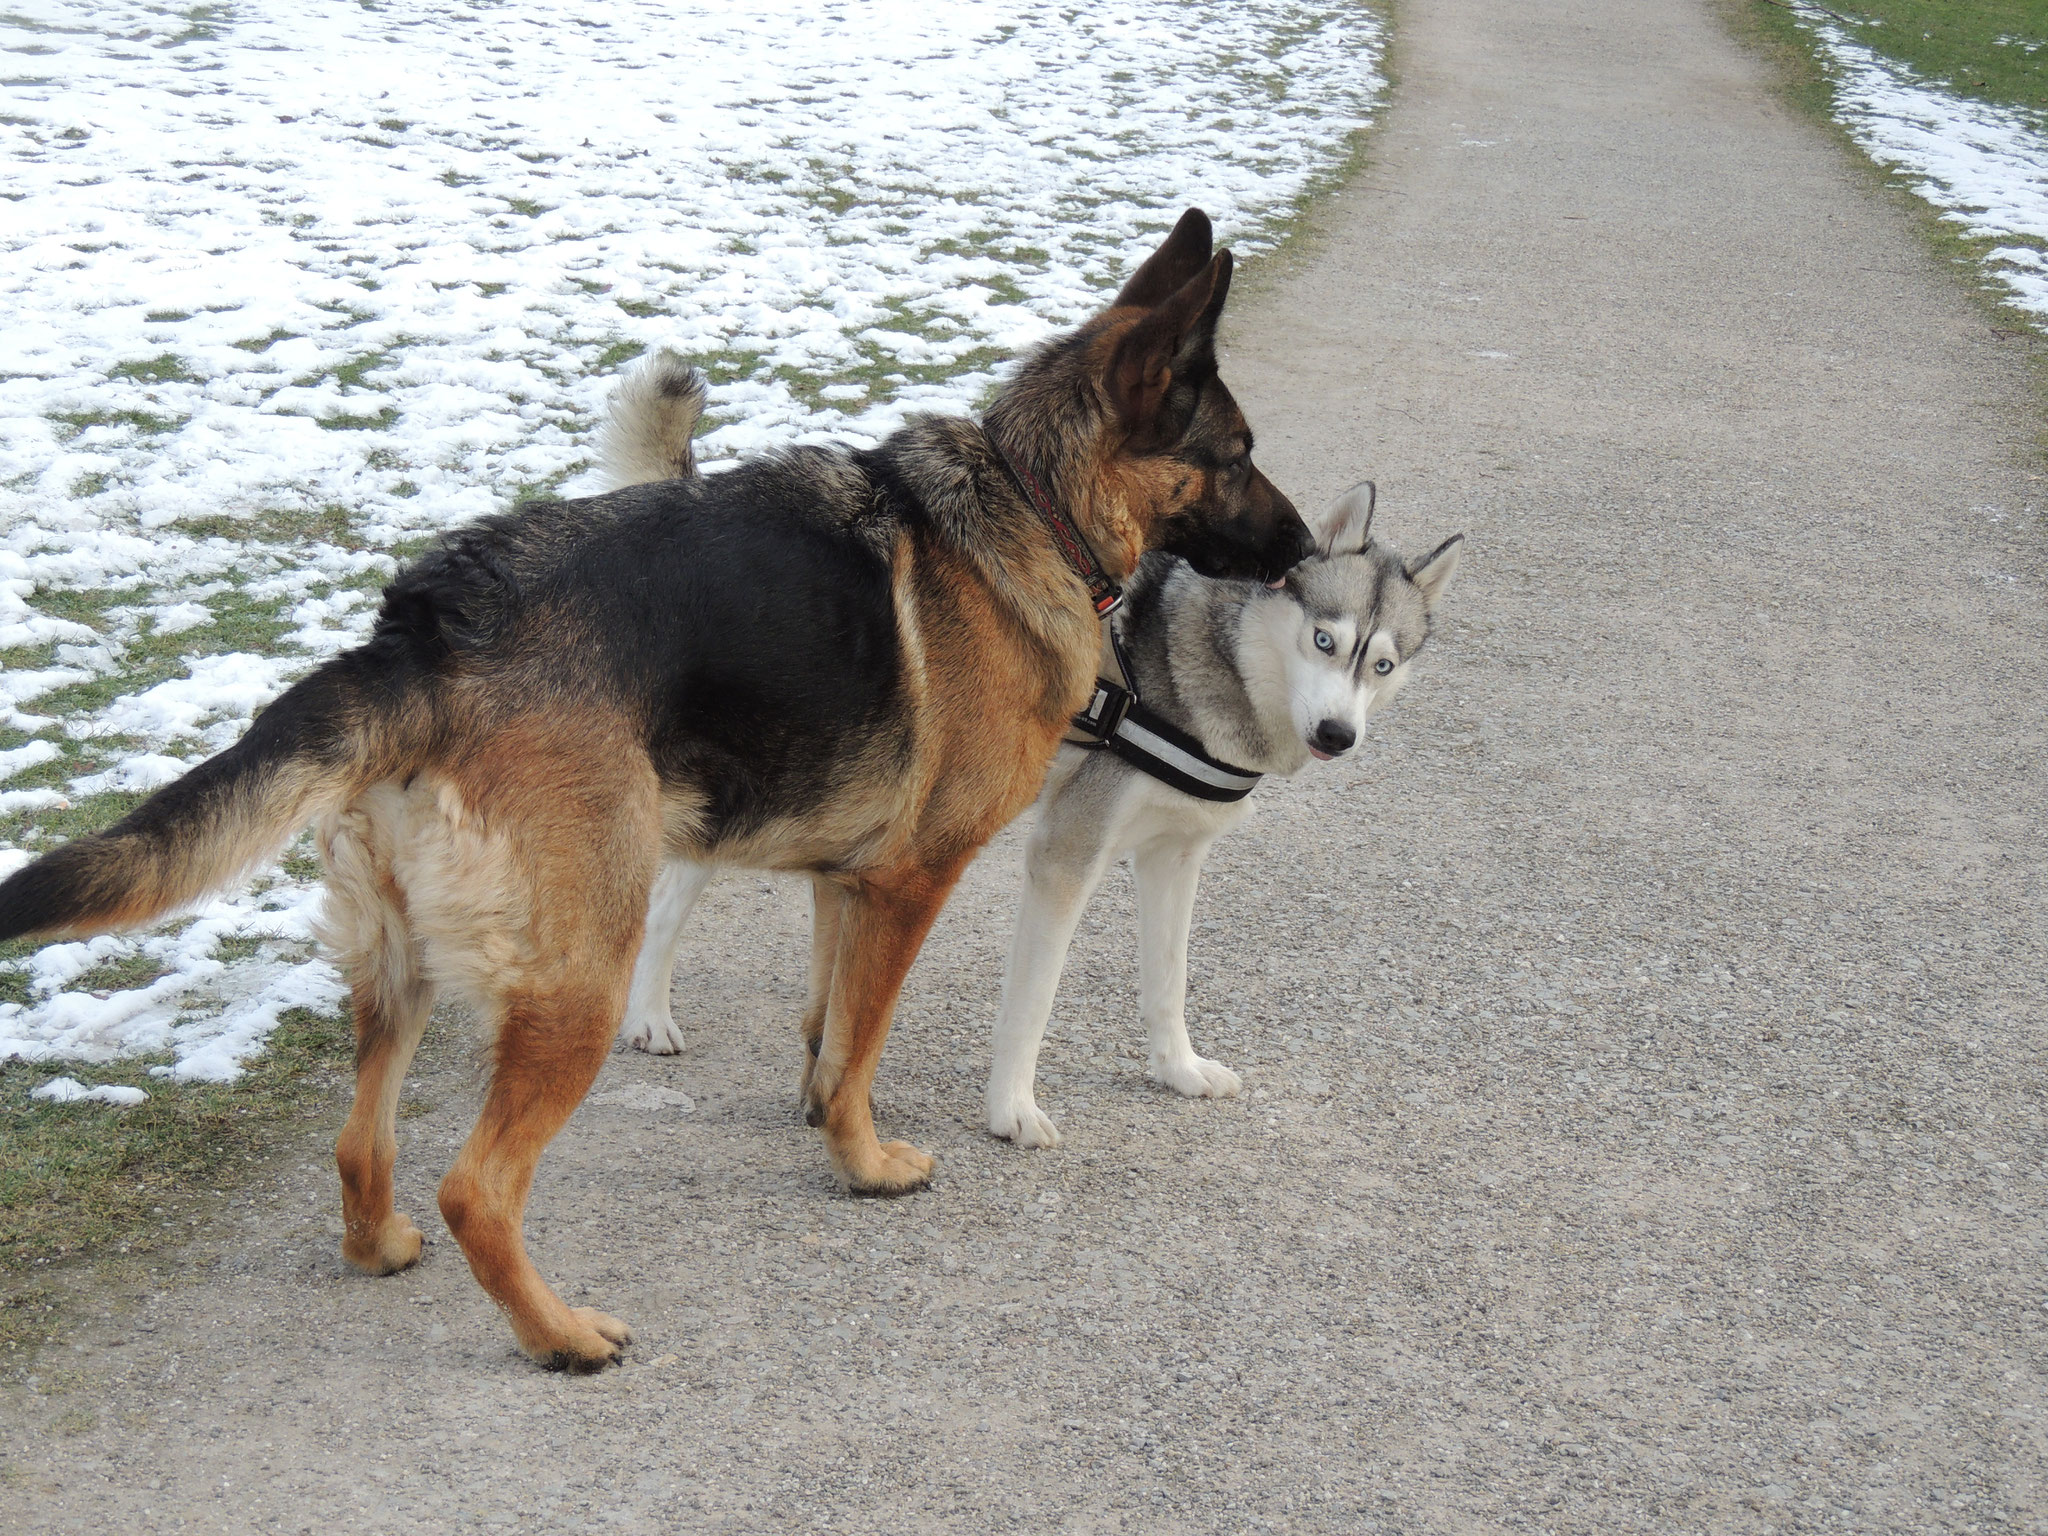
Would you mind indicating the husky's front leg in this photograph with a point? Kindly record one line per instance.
(1168, 871)
(1055, 893)
(650, 1023)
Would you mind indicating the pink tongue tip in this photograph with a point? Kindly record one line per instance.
(1277, 585)
(1320, 755)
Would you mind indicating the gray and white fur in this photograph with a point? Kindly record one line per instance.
(1266, 679)
(653, 416)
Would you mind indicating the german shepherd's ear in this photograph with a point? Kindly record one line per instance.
(1433, 571)
(1180, 256)
(1177, 339)
(1346, 528)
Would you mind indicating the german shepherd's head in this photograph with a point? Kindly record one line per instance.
(1139, 438)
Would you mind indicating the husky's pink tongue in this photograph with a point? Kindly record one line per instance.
(1321, 756)
(1275, 586)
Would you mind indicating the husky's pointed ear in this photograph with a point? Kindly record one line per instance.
(1176, 340)
(1166, 271)
(1434, 570)
(1346, 527)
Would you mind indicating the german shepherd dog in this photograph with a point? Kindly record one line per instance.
(853, 663)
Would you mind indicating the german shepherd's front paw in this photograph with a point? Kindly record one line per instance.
(1196, 1076)
(886, 1168)
(394, 1245)
(591, 1341)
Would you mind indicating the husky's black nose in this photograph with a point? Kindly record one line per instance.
(1333, 737)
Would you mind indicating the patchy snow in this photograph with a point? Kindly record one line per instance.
(290, 286)
(397, 239)
(1987, 166)
(69, 1090)
(21, 759)
(207, 1012)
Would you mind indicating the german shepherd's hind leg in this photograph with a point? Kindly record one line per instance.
(650, 1017)
(550, 1046)
(364, 923)
(537, 892)
(375, 1238)
(825, 907)
(882, 924)
(1168, 871)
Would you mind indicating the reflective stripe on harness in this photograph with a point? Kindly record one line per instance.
(1173, 757)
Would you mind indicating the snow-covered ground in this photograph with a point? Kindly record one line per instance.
(1985, 166)
(289, 287)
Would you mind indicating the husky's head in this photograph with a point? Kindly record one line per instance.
(1338, 639)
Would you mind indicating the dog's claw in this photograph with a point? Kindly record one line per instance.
(393, 1246)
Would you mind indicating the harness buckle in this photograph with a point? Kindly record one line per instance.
(1105, 711)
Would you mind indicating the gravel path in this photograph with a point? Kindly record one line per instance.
(1641, 1037)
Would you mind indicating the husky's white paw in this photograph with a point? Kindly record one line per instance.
(658, 1034)
(1196, 1076)
(1022, 1121)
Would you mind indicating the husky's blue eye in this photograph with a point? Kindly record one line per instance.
(1324, 643)
(1383, 666)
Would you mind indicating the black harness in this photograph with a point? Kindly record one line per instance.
(1116, 719)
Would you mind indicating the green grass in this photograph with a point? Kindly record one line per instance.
(1975, 48)
(265, 343)
(343, 422)
(240, 623)
(94, 1181)
(330, 524)
(124, 973)
(142, 421)
(165, 369)
(617, 354)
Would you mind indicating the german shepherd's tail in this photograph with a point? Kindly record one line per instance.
(652, 416)
(311, 751)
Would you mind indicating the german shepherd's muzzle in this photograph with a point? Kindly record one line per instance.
(851, 663)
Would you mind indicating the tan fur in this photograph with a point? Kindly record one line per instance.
(517, 878)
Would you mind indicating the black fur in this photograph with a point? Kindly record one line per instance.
(745, 620)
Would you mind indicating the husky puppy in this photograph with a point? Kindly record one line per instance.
(1264, 680)
(855, 664)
